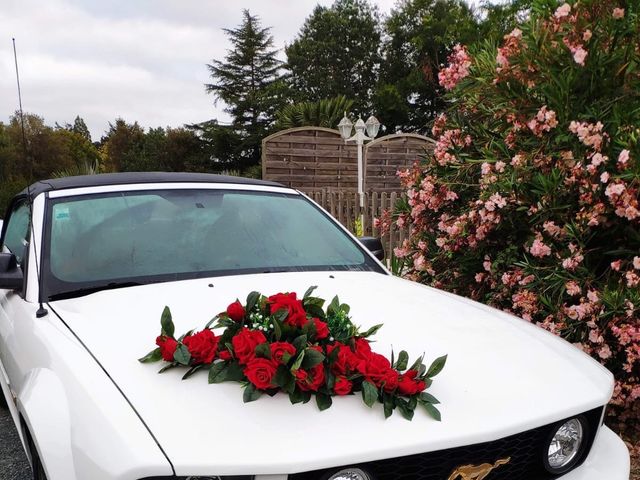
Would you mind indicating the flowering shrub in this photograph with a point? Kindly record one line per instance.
(531, 200)
(285, 344)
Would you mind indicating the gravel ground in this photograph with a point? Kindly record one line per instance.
(13, 462)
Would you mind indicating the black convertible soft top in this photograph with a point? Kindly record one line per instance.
(137, 177)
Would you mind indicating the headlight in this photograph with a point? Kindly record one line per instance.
(565, 447)
(351, 474)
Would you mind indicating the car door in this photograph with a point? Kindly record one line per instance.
(12, 304)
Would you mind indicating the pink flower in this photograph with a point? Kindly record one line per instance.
(604, 352)
(633, 279)
(518, 160)
(618, 13)
(636, 263)
(539, 249)
(572, 288)
(615, 265)
(458, 68)
(586, 36)
(604, 178)
(623, 158)
(562, 11)
(500, 166)
(579, 55)
(614, 189)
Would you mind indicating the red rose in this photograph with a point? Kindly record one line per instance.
(245, 343)
(224, 355)
(296, 317)
(260, 372)
(310, 380)
(278, 349)
(167, 347)
(375, 369)
(202, 346)
(322, 329)
(342, 386)
(345, 362)
(407, 385)
(236, 311)
(391, 379)
(362, 348)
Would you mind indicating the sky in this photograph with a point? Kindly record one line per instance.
(141, 60)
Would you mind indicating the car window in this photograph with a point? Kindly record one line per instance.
(17, 232)
(138, 235)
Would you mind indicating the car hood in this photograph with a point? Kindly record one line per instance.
(503, 375)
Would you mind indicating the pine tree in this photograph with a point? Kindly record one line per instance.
(247, 81)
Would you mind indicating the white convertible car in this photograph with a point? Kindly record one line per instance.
(88, 264)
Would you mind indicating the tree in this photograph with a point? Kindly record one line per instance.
(323, 113)
(531, 202)
(337, 52)
(420, 34)
(123, 147)
(246, 81)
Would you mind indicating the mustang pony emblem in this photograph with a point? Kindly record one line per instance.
(476, 472)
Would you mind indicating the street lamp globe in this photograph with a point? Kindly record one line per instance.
(360, 125)
(373, 125)
(345, 127)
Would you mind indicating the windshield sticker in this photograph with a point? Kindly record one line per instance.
(62, 213)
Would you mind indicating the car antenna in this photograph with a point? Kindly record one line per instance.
(41, 312)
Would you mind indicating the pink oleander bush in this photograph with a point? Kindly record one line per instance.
(530, 202)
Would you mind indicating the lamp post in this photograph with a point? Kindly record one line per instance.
(372, 125)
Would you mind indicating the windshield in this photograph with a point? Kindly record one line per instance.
(124, 238)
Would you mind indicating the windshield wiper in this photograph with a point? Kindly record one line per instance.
(81, 292)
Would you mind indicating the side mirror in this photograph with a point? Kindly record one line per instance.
(374, 245)
(11, 277)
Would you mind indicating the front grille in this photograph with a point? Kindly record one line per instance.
(526, 450)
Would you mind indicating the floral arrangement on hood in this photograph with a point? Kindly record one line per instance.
(292, 345)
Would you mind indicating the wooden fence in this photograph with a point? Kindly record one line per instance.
(344, 207)
(311, 158)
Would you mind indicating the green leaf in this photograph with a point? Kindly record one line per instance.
(416, 365)
(235, 372)
(296, 396)
(428, 398)
(277, 329)
(263, 350)
(309, 291)
(210, 322)
(251, 394)
(166, 322)
(311, 358)
(217, 372)
(315, 311)
(432, 411)
(334, 306)
(282, 376)
(369, 393)
(298, 362)
(323, 401)
(372, 331)
(389, 405)
(403, 360)
(182, 355)
(168, 367)
(152, 356)
(300, 343)
(405, 408)
(252, 300)
(193, 370)
(437, 366)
